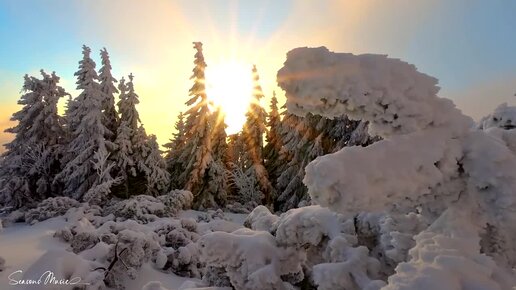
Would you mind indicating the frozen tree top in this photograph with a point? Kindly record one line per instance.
(389, 93)
(504, 117)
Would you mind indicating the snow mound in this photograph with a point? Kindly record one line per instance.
(261, 219)
(251, 259)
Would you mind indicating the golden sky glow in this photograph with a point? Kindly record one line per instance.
(229, 85)
(153, 40)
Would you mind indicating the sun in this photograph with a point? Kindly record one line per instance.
(229, 85)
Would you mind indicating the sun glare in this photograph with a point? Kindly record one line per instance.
(230, 86)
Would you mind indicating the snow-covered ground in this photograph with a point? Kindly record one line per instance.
(34, 250)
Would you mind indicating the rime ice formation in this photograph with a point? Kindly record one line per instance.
(431, 159)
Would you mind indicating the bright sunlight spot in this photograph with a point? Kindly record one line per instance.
(230, 86)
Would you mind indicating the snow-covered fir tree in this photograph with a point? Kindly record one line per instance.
(155, 169)
(108, 89)
(196, 155)
(236, 150)
(31, 161)
(100, 190)
(306, 139)
(79, 174)
(219, 143)
(173, 153)
(253, 133)
(271, 151)
(139, 162)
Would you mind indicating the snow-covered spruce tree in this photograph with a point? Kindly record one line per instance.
(236, 150)
(156, 175)
(108, 89)
(101, 188)
(463, 184)
(304, 146)
(173, 153)
(253, 133)
(306, 139)
(135, 174)
(139, 162)
(31, 161)
(271, 152)
(79, 173)
(196, 154)
(219, 145)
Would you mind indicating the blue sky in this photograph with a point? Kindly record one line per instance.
(469, 45)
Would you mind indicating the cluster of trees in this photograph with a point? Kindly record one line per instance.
(96, 150)
(91, 152)
(242, 167)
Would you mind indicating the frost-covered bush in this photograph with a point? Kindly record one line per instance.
(210, 215)
(431, 161)
(261, 219)
(237, 207)
(251, 259)
(177, 199)
(136, 248)
(49, 208)
(144, 208)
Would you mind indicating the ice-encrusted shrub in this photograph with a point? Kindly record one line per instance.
(144, 208)
(177, 199)
(210, 215)
(503, 117)
(181, 252)
(251, 259)
(49, 208)
(348, 267)
(261, 219)
(141, 248)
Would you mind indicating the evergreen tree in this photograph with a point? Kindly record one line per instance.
(253, 132)
(219, 137)
(156, 174)
(273, 162)
(236, 150)
(108, 89)
(174, 149)
(88, 138)
(132, 144)
(304, 140)
(31, 161)
(197, 155)
(101, 188)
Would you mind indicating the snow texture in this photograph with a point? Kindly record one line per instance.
(431, 159)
